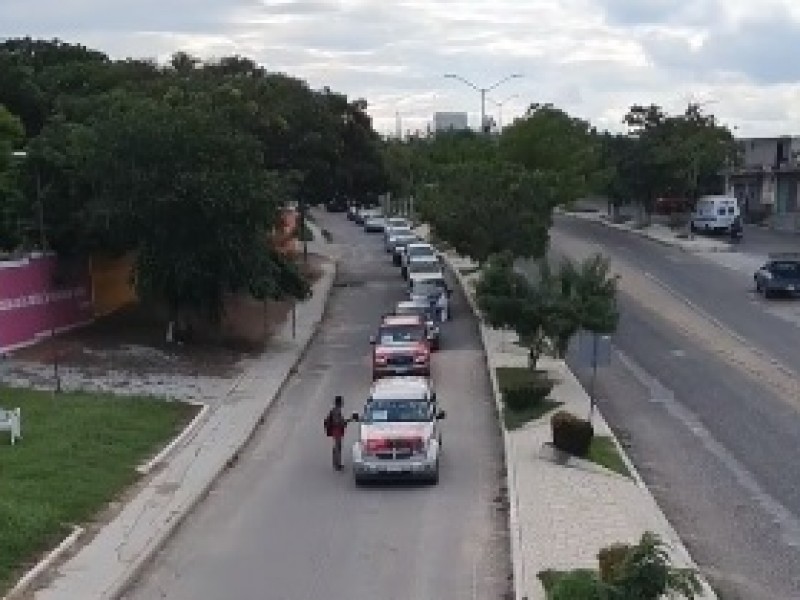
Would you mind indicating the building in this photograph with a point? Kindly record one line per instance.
(767, 180)
(450, 121)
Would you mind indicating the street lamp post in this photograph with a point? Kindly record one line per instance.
(482, 91)
(499, 106)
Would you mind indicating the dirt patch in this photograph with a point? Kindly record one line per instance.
(133, 340)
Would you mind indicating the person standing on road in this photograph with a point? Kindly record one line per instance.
(335, 425)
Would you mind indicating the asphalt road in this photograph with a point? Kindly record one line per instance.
(282, 525)
(716, 444)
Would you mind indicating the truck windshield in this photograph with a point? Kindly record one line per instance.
(401, 334)
(394, 411)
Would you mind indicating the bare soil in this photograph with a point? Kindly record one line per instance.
(133, 339)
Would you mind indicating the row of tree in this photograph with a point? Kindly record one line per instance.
(491, 198)
(187, 165)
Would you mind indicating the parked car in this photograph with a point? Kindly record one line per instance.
(391, 234)
(336, 205)
(400, 242)
(429, 313)
(399, 432)
(419, 265)
(780, 275)
(414, 250)
(433, 289)
(374, 224)
(401, 347)
(715, 213)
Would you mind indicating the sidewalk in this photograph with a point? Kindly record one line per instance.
(658, 233)
(120, 550)
(561, 515)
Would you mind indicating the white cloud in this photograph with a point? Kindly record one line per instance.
(593, 58)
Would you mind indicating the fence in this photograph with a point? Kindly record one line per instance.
(39, 296)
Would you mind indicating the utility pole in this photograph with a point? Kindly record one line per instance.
(482, 92)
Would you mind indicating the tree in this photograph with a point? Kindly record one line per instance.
(484, 208)
(12, 206)
(561, 148)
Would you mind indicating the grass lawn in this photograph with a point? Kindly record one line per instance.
(603, 451)
(520, 377)
(78, 452)
(514, 419)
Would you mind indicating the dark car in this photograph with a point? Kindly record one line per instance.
(337, 205)
(781, 275)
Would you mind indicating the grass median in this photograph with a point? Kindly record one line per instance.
(79, 452)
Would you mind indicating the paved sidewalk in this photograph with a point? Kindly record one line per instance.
(110, 561)
(658, 233)
(561, 515)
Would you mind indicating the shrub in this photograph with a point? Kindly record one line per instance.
(571, 434)
(611, 560)
(579, 584)
(522, 397)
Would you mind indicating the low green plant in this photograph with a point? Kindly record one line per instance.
(604, 452)
(571, 434)
(642, 571)
(525, 395)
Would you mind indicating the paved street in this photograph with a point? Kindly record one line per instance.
(713, 428)
(283, 525)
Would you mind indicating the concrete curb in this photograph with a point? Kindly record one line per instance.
(140, 563)
(148, 466)
(521, 582)
(52, 557)
(679, 244)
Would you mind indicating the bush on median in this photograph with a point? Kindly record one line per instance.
(571, 434)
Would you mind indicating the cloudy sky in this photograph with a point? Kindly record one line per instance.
(593, 58)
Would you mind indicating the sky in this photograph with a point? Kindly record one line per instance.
(740, 59)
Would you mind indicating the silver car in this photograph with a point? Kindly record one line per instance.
(398, 246)
(399, 432)
(427, 312)
(391, 233)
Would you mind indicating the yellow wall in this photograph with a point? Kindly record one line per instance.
(112, 283)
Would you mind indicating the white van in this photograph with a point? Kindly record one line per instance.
(715, 213)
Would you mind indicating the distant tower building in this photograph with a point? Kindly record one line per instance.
(450, 121)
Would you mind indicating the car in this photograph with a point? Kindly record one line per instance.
(399, 432)
(374, 224)
(365, 213)
(780, 275)
(419, 265)
(433, 289)
(401, 347)
(400, 242)
(414, 250)
(715, 214)
(391, 234)
(429, 313)
(400, 222)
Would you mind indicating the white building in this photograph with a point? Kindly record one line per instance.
(450, 121)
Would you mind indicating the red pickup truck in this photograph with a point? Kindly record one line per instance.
(401, 347)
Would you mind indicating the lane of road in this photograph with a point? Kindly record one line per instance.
(716, 446)
(283, 525)
(722, 293)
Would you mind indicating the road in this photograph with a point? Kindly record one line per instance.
(282, 525)
(712, 424)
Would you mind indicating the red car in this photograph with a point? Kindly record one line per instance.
(401, 347)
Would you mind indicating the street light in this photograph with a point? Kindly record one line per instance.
(482, 91)
(500, 105)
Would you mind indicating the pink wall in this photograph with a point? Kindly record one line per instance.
(31, 305)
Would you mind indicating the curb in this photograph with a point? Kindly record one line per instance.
(49, 560)
(148, 466)
(138, 565)
(518, 564)
(646, 235)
